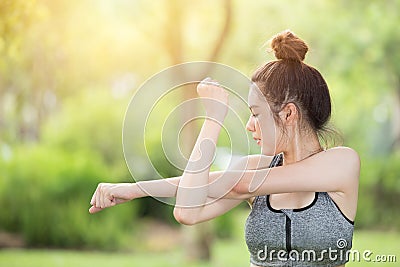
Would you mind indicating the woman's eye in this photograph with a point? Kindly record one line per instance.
(254, 115)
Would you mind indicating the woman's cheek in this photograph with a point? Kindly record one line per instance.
(271, 142)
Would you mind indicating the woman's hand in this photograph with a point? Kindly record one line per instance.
(214, 98)
(109, 195)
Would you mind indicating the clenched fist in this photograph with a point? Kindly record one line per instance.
(214, 98)
(109, 195)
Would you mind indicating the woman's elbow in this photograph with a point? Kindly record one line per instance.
(240, 190)
(183, 217)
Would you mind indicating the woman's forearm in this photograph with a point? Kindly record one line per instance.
(193, 186)
(168, 187)
(156, 188)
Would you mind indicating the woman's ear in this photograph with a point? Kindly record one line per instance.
(289, 114)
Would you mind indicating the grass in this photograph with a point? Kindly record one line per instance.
(225, 253)
(232, 253)
(378, 243)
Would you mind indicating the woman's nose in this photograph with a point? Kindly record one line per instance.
(250, 124)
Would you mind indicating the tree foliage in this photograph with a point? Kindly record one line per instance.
(69, 68)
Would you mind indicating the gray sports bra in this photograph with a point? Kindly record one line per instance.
(316, 235)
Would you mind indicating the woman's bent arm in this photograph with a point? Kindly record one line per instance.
(168, 187)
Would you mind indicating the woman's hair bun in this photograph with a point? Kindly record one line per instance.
(287, 45)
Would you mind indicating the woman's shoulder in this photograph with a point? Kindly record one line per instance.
(343, 153)
(344, 157)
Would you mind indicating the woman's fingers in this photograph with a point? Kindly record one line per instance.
(209, 81)
(109, 195)
(108, 199)
(102, 198)
(93, 199)
(214, 97)
(98, 197)
(93, 209)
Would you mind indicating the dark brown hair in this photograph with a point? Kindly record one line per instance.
(289, 80)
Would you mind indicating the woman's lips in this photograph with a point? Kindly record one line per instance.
(257, 140)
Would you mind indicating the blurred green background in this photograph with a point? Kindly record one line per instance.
(69, 68)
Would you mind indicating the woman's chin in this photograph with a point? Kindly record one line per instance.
(267, 151)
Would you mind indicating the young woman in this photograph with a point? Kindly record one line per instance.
(303, 199)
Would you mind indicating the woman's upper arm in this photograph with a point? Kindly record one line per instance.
(218, 204)
(212, 209)
(334, 170)
(221, 184)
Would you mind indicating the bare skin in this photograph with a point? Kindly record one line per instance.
(202, 195)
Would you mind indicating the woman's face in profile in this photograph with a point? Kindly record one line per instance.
(261, 122)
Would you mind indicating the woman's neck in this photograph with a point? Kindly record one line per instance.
(301, 147)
